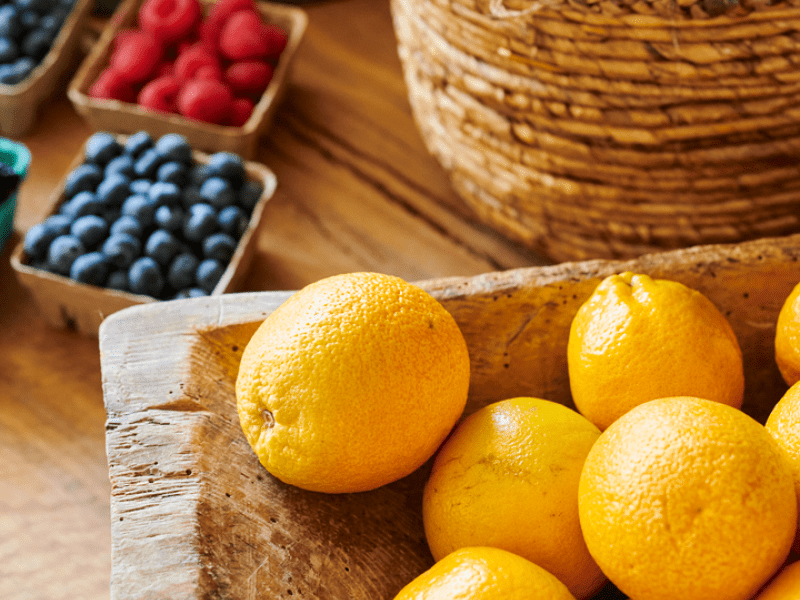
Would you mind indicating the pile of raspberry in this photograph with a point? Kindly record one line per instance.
(211, 69)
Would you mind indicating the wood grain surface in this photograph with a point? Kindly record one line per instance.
(356, 191)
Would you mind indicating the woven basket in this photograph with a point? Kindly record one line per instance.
(611, 128)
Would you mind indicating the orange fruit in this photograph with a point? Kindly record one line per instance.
(508, 478)
(352, 383)
(637, 339)
(783, 424)
(787, 338)
(484, 574)
(785, 585)
(687, 498)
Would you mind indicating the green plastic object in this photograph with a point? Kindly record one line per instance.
(18, 157)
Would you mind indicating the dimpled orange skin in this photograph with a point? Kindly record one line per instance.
(481, 573)
(783, 424)
(785, 585)
(507, 477)
(637, 339)
(352, 383)
(687, 498)
(787, 338)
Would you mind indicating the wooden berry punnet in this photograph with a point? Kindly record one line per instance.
(127, 117)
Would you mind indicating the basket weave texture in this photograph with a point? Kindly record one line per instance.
(611, 128)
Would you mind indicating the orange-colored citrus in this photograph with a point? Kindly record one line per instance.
(787, 338)
(484, 574)
(637, 339)
(783, 424)
(352, 383)
(687, 498)
(508, 478)
(785, 585)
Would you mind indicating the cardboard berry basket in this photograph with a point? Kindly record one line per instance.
(66, 303)
(123, 117)
(19, 104)
(183, 475)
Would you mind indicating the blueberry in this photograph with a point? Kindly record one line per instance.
(232, 221)
(164, 194)
(118, 280)
(144, 277)
(9, 21)
(209, 272)
(162, 246)
(141, 208)
(173, 172)
(137, 143)
(141, 186)
(182, 271)
(82, 204)
(54, 20)
(62, 253)
(39, 6)
(219, 246)
(174, 147)
(90, 230)
(169, 218)
(218, 192)
(198, 173)
(122, 249)
(8, 50)
(39, 237)
(201, 222)
(147, 163)
(127, 224)
(37, 43)
(191, 196)
(122, 164)
(91, 268)
(29, 19)
(101, 147)
(114, 189)
(83, 178)
(190, 293)
(229, 166)
(250, 194)
(19, 70)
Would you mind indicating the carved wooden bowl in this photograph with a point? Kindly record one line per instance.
(194, 515)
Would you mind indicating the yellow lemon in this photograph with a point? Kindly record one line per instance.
(508, 478)
(637, 339)
(352, 383)
(787, 338)
(485, 574)
(687, 498)
(783, 424)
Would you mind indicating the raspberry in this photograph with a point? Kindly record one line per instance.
(244, 37)
(241, 109)
(209, 72)
(205, 100)
(160, 94)
(165, 68)
(169, 20)
(249, 78)
(191, 59)
(222, 9)
(136, 57)
(277, 39)
(110, 85)
(209, 34)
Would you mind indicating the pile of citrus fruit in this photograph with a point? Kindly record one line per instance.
(657, 482)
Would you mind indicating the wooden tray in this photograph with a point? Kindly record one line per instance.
(194, 515)
(65, 303)
(122, 117)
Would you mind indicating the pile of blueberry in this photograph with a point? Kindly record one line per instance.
(28, 29)
(143, 216)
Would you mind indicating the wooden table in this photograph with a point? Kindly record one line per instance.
(357, 191)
